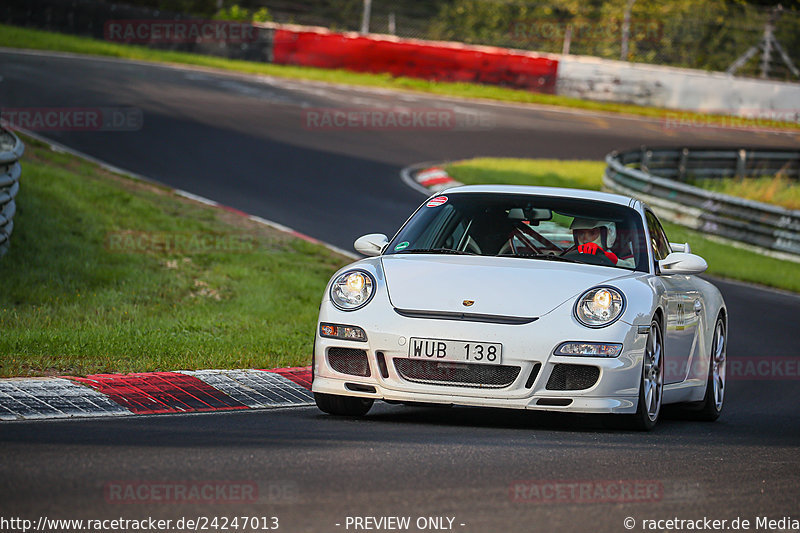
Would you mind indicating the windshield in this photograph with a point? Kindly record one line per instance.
(526, 227)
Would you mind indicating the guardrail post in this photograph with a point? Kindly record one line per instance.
(741, 164)
(644, 162)
(682, 164)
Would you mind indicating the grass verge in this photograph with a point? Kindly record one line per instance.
(108, 274)
(723, 260)
(17, 37)
(779, 190)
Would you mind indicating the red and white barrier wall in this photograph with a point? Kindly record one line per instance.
(582, 77)
(432, 60)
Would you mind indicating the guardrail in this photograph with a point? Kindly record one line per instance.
(657, 176)
(11, 149)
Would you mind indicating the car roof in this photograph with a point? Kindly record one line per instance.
(543, 191)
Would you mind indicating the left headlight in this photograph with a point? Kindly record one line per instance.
(352, 290)
(599, 307)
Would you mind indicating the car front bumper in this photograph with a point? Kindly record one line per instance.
(529, 347)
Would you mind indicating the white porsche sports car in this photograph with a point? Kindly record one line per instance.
(524, 297)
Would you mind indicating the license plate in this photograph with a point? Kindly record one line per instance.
(486, 353)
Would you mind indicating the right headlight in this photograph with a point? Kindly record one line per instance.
(599, 307)
(352, 290)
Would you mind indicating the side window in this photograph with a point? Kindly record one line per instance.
(658, 240)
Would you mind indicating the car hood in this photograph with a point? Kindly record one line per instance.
(510, 287)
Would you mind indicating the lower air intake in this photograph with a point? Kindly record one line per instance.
(456, 374)
(532, 377)
(572, 377)
(349, 361)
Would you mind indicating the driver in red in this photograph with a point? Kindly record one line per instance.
(594, 237)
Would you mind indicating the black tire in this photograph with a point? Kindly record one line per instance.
(649, 406)
(710, 407)
(343, 405)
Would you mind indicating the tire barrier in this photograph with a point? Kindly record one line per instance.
(11, 149)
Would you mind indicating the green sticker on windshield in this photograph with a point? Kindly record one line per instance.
(402, 246)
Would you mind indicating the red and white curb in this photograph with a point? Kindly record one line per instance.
(151, 393)
(38, 398)
(428, 178)
(102, 395)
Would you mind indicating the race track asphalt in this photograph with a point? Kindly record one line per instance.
(247, 143)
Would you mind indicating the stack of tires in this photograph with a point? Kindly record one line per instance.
(11, 149)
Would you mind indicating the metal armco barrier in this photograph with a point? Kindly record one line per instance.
(657, 176)
(11, 149)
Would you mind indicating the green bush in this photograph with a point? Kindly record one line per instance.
(241, 14)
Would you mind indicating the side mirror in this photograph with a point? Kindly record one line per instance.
(682, 263)
(372, 244)
(678, 247)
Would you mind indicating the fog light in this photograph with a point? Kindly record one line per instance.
(337, 331)
(589, 349)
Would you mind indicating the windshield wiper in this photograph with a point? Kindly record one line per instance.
(436, 251)
(548, 257)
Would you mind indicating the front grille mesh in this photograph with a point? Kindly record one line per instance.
(349, 361)
(572, 377)
(456, 374)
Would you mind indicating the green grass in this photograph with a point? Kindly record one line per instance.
(778, 190)
(17, 37)
(723, 260)
(544, 172)
(73, 303)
